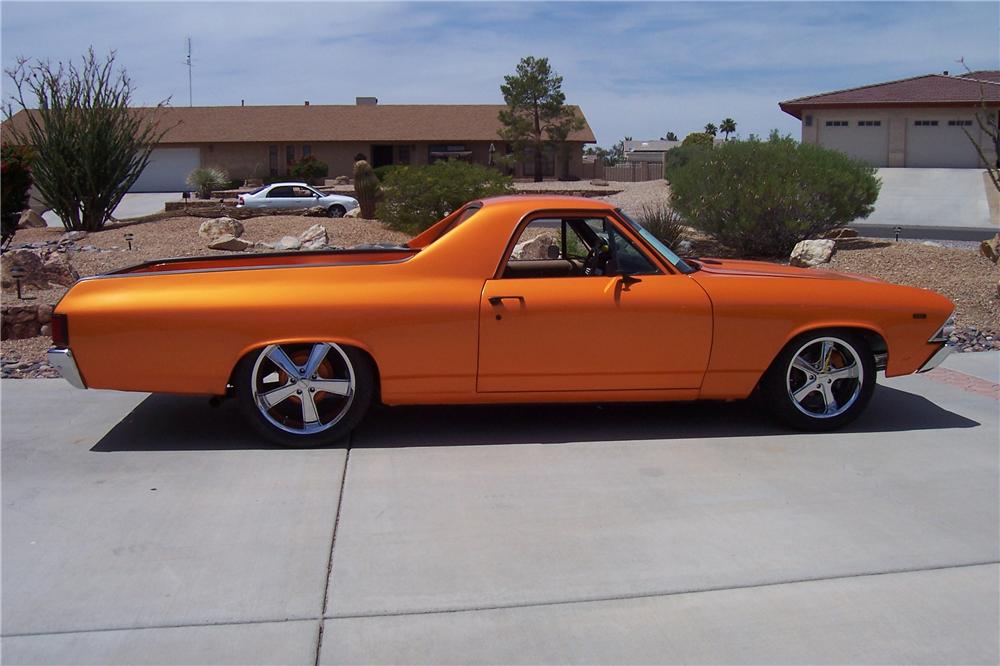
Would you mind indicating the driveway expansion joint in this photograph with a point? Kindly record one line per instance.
(178, 625)
(333, 543)
(652, 595)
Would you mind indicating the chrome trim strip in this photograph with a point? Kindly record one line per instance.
(63, 361)
(935, 360)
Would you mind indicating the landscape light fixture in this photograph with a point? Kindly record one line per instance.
(128, 239)
(18, 272)
(897, 230)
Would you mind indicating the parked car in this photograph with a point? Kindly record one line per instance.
(297, 195)
(511, 299)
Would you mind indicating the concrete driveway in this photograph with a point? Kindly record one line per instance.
(158, 530)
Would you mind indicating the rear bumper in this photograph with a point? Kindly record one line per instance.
(935, 360)
(63, 361)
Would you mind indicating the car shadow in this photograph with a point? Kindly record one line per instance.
(183, 423)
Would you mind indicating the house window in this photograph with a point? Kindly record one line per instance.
(307, 150)
(837, 123)
(959, 123)
(289, 156)
(404, 154)
(925, 123)
(869, 123)
(448, 152)
(272, 160)
(807, 121)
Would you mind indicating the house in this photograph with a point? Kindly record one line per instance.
(266, 141)
(916, 122)
(648, 151)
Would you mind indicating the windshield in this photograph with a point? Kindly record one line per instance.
(657, 244)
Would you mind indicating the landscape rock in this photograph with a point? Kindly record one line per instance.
(991, 248)
(41, 269)
(684, 247)
(315, 211)
(31, 220)
(314, 238)
(599, 182)
(288, 243)
(842, 232)
(536, 248)
(809, 253)
(354, 212)
(72, 236)
(220, 226)
(230, 243)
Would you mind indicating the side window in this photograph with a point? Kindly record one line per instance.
(279, 193)
(302, 192)
(575, 247)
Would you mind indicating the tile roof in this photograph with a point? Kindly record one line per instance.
(927, 90)
(316, 122)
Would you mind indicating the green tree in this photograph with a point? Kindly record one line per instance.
(727, 127)
(15, 181)
(698, 139)
(670, 137)
(762, 197)
(711, 129)
(536, 115)
(90, 146)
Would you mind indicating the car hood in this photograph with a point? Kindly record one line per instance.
(739, 267)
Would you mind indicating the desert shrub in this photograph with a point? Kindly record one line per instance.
(309, 168)
(676, 158)
(663, 222)
(206, 179)
(699, 139)
(385, 170)
(762, 197)
(418, 196)
(367, 188)
(15, 181)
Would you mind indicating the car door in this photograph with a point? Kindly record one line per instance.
(302, 197)
(280, 196)
(570, 324)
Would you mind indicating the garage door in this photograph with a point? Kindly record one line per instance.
(866, 140)
(168, 170)
(941, 143)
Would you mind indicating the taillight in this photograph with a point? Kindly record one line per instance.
(240, 201)
(60, 330)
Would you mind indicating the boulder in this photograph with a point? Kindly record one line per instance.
(842, 232)
(220, 226)
(809, 253)
(536, 248)
(314, 238)
(354, 212)
(72, 236)
(288, 243)
(230, 243)
(600, 182)
(31, 220)
(991, 249)
(41, 269)
(315, 211)
(683, 247)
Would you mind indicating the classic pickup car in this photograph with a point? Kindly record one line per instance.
(512, 299)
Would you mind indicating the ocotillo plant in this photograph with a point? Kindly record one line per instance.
(366, 188)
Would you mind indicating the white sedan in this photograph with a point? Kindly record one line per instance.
(297, 195)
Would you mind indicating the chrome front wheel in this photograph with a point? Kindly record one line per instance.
(825, 378)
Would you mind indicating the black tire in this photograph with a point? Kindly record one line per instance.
(336, 210)
(812, 412)
(364, 388)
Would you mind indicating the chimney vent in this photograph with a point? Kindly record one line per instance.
(946, 72)
(366, 101)
(243, 102)
(307, 102)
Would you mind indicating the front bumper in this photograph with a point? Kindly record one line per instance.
(935, 360)
(63, 361)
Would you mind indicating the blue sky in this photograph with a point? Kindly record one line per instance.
(636, 68)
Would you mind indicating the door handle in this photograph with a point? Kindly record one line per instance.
(497, 300)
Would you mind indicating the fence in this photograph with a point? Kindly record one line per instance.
(629, 172)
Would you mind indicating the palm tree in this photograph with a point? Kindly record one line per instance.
(727, 127)
(711, 129)
(670, 137)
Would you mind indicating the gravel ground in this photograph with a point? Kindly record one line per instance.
(635, 196)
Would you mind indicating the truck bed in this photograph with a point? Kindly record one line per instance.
(377, 255)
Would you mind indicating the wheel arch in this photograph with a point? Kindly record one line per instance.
(873, 337)
(343, 342)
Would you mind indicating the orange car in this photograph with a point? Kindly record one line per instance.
(512, 299)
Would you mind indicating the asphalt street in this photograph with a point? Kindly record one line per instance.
(158, 529)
